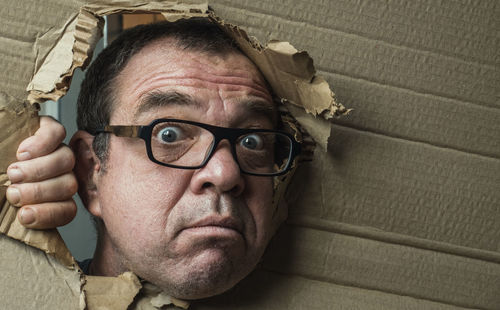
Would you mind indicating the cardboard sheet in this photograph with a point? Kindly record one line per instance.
(401, 212)
(266, 290)
(31, 279)
(111, 293)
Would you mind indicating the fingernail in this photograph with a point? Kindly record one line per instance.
(23, 156)
(15, 175)
(27, 216)
(13, 195)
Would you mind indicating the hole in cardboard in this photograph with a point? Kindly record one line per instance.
(276, 54)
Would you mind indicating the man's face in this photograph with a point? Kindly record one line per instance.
(194, 233)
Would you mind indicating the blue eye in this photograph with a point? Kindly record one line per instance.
(252, 142)
(169, 134)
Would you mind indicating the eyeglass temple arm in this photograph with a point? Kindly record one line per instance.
(119, 130)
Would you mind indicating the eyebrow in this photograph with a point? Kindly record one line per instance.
(158, 99)
(262, 108)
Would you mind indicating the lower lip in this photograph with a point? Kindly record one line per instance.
(212, 231)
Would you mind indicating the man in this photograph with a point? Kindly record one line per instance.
(185, 202)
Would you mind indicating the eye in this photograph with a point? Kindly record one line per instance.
(252, 142)
(170, 134)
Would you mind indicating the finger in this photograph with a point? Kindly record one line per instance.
(42, 168)
(55, 189)
(47, 215)
(46, 139)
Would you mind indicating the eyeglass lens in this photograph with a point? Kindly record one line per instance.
(188, 145)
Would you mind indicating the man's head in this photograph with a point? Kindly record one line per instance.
(195, 233)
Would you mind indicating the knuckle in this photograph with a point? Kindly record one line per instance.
(68, 158)
(46, 216)
(54, 214)
(59, 131)
(35, 172)
(51, 131)
(70, 209)
(37, 192)
(61, 213)
(72, 184)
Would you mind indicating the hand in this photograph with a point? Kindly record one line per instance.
(43, 183)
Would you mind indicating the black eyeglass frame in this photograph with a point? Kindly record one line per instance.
(145, 132)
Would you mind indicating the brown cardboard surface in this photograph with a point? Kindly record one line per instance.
(402, 212)
(32, 280)
(428, 192)
(331, 257)
(269, 291)
(448, 49)
(111, 293)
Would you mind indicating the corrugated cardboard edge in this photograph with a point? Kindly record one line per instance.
(76, 44)
(290, 73)
(126, 292)
(293, 78)
(111, 293)
(151, 297)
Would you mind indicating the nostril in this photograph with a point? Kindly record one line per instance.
(237, 190)
(206, 185)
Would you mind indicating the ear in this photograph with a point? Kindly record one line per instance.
(87, 170)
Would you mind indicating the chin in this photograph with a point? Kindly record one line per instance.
(208, 274)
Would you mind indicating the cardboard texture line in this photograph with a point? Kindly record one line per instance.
(400, 212)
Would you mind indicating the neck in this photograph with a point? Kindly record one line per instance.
(105, 261)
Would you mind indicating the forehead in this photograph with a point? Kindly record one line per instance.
(211, 79)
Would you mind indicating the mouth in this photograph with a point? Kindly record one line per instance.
(217, 226)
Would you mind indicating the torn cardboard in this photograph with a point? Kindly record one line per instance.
(279, 61)
(31, 279)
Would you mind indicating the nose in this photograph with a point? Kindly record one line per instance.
(221, 173)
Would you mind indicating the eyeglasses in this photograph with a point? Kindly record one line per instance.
(190, 145)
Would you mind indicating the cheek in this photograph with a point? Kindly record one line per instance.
(141, 194)
(259, 202)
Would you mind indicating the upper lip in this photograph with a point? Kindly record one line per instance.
(226, 222)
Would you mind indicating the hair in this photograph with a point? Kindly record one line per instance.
(96, 101)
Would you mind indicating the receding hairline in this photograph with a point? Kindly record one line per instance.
(176, 44)
(157, 98)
